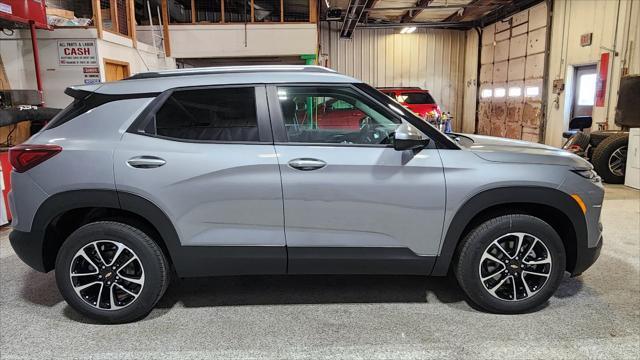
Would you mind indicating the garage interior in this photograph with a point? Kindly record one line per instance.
(564, 73)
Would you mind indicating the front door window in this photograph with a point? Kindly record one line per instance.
(334, 115)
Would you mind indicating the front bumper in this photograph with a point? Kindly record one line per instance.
(586, 257)
(28, 247)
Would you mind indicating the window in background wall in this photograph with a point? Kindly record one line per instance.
(115, 16)
(266, 10)
(486, 93)
(123, 16)
(179, 11)
(515, 91)
(587, 90)
(237, 11)
(108, 18)
(296, 10)
(70, 13)
(141, 10)
(499, 92)
(531, 91)
(208, 11)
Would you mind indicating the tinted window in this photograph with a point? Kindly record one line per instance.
(237, 10)
(180, 11)
(334, 115)
(296, 10)
(208, 115)
(416, 98)
(208, 11)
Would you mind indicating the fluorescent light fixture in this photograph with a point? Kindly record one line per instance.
(515, 91)
(408, 30)
(486, 93)
(499, 92)
(531, 91)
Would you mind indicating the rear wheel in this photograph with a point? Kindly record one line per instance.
(610, 158)
(511, 264)
(111, 272)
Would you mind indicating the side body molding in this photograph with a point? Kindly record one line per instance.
(505, 196)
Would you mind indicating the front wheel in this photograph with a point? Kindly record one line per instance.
(510, 264)
(111, 272)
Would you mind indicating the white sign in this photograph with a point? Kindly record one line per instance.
(77, 52)
(5, 8)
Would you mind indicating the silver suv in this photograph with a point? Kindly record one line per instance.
(262, 170)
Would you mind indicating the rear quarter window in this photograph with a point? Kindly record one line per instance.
(88, 101)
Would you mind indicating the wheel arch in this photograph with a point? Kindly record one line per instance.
(551, 205)
(64, 212)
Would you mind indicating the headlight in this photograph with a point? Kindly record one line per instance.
(587, 174)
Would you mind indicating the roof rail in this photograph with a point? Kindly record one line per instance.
(230, 69)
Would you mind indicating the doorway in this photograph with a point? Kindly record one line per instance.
(584, 91)
(115, 70)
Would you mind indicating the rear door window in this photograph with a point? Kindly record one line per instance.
(220, 114)
(416, 98)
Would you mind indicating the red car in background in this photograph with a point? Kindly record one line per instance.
(415, 99)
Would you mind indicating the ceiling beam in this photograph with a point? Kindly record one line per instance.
(505, 11)
(476, 9)
(353, 16)
(416, 8)
(411, 14)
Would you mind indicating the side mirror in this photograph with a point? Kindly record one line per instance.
(407, 137)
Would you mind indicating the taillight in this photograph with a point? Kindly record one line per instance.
(24, 157)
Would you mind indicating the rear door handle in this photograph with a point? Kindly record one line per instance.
(307, 164)
(146, 162)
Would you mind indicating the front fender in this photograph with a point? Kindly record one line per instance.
(504, 196)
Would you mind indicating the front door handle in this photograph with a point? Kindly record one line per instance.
(306, 164)
(146, 162)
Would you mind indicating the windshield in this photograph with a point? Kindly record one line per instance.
(416, 98)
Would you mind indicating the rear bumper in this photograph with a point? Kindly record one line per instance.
(586, 257)
(28, 247)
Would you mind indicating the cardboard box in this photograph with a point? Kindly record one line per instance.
(67, 14)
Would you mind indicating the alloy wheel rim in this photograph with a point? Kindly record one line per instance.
(515, 266)
(107, 275)
(618, 160)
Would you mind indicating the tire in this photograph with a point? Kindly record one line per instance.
(597, 136)
(472, 263)
(578, 139)
(137, 265)
(610, 157)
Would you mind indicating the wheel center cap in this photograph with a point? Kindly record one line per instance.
(514, 268)
(107, 275)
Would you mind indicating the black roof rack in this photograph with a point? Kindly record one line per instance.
(230, 69)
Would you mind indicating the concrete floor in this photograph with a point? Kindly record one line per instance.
(366, 317)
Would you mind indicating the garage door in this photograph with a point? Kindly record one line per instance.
(511, 76)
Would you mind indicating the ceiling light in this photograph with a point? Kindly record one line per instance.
(408, 30)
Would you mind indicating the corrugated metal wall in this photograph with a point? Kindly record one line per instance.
(428, 58)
